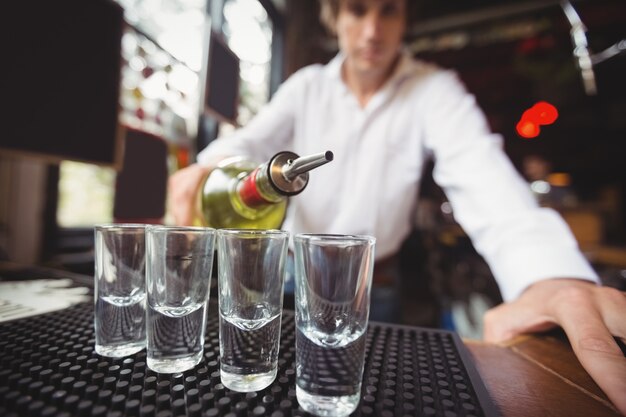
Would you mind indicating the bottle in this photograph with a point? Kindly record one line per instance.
(240, 194)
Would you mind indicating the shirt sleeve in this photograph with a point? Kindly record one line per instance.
(522, 242)
(270, 131)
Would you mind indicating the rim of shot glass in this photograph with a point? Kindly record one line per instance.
(332, 237)
(121, 226)
(253, 232)
(173, 229)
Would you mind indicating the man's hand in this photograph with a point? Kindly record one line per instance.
(590, 316)
(182, 193)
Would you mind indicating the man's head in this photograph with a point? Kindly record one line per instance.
(329, 10)
(369, 32)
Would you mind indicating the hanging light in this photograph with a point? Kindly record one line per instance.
(540, 114)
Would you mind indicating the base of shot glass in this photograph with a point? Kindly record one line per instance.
(172, 366)
(327, 406)
(247, 383)
(119, 351)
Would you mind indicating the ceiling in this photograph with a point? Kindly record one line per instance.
(434, 9)
(437, 15)
(430, 9)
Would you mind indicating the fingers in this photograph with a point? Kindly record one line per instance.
(183, 189)
(499, 323)
(581, 318)
(613, 310)
(508, 320)
(176, 200)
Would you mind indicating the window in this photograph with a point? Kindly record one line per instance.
(248, 31)
(85, 195)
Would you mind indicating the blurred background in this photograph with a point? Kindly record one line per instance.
(103, 100)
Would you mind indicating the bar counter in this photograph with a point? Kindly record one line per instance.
(539, 375)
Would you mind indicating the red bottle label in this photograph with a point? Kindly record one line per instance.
(249, 193)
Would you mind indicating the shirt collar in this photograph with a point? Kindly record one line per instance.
(403, 69)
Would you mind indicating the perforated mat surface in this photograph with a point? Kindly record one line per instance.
(48, 367)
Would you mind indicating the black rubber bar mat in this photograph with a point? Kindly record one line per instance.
(48, 367)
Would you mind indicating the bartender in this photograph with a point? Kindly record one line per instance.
(383, 114)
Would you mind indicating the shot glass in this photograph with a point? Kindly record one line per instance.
(251, 267)
(178, 276)
(333, 281)
(120, 289)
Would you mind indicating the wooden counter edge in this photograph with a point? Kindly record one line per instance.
(510, 353)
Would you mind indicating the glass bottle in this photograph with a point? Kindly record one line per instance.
(241, 194)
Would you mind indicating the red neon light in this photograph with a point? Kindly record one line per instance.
(542, 113)
(527, 129)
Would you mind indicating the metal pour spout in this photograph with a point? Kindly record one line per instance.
(304, 164)
(289, 174)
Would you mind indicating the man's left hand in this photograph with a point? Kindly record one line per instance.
(590, 315)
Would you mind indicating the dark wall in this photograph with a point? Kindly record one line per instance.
(306, 40)
(60, 79)
(588, 141)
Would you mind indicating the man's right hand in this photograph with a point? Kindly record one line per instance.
(182, 193)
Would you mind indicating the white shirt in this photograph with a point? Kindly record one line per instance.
(372, 185)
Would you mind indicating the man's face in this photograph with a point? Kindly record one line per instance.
(370, 33)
